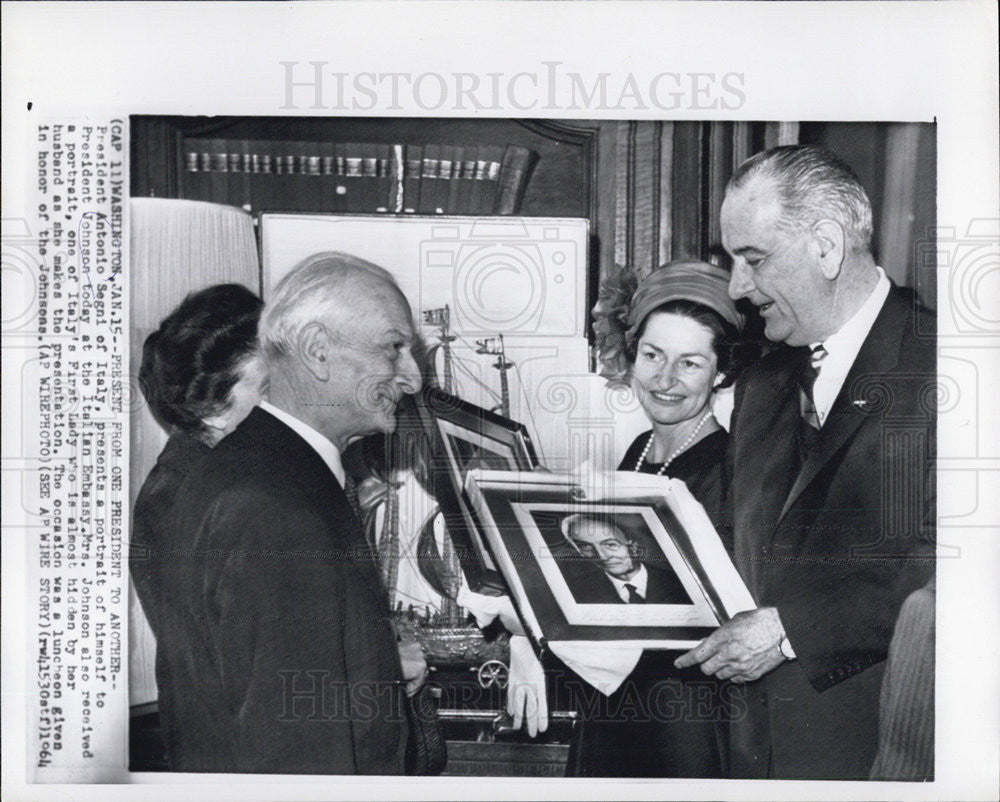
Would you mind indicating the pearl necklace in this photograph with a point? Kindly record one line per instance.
(677, 452)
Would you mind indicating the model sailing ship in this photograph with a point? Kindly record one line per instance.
(446, 630)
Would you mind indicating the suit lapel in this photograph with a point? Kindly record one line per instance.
(861, 394)
(765, 450)
(772, 419)
(307, 468)
(293, 455)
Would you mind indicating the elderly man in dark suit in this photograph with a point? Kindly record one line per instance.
(283, 657)
(833, 449)
(629, 579)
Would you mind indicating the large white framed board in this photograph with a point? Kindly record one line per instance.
(510, 275)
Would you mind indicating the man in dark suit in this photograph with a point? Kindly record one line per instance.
(282, 654)
(833, 448)
(629, 579)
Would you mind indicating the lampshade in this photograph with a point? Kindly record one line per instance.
(179, 246)
(175, 247)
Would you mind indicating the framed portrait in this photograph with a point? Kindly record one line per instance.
(465, 438)
(569, 554)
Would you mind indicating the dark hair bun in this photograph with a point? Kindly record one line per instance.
(191, 363)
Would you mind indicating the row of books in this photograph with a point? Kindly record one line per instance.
(262, 175)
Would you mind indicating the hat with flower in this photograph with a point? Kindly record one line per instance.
(624, 302)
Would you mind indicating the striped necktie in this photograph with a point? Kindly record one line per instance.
(810, 371)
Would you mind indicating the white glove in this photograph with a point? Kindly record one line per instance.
(509, 618)
(595, 482)
(526, 699)
(487, 608)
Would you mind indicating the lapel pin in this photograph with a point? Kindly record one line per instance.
(860, 403)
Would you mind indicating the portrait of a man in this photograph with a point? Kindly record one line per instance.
(631, 576)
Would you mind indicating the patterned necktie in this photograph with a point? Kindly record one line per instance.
(351, 491)
(633, 594)
(807, 406)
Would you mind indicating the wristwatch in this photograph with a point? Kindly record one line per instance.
(786, 648)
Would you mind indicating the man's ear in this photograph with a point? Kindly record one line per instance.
(314, 350)
(829, 245)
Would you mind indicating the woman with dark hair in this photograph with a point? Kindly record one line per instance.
(201, 374)
(683, 344)
(674, 337)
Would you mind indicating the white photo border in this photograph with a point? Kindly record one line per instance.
(853, 61)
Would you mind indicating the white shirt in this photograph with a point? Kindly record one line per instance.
(327, 451)
(842, 348)
(638, 581)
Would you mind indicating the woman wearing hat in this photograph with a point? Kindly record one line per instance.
(674, 337)
(676, 340)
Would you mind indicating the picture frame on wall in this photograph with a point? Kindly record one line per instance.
(465, 437)
(563, 589)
